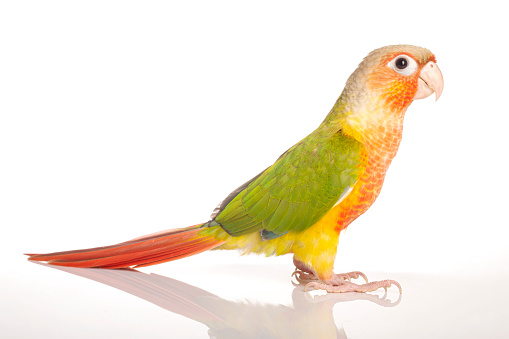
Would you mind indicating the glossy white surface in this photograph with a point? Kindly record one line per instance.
(243, 299)
(123, 118)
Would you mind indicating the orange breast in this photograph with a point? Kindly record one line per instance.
(380, 148)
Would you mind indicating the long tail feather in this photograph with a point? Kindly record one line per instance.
(143, 251)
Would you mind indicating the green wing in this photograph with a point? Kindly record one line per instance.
(295, 192)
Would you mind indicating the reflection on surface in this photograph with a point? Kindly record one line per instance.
(310, 317)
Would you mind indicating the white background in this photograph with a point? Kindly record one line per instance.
(122, 118)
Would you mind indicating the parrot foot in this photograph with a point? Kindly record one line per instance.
(347, 286)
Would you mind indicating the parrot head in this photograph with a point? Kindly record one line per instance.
(384, 85)
(397, 75)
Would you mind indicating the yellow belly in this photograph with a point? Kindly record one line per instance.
(316, 247)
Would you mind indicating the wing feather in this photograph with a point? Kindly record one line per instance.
(297, 190)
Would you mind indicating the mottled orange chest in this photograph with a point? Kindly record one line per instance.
(381, 146)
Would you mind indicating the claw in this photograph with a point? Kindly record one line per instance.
(351, 275)
(397, 285)
(313, 284)
(300, 275)
(358, 274)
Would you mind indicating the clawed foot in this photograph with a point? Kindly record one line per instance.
(347, 286)
(341, 283)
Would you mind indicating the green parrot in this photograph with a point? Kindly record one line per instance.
(312, 192)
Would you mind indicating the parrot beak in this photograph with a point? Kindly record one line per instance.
(430, 80)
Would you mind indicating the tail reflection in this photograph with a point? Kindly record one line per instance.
(310, 317)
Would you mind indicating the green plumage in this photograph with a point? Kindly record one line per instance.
(297, 190)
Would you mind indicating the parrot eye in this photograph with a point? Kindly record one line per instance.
(403, 64)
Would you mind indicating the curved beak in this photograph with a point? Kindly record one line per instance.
(430, 80)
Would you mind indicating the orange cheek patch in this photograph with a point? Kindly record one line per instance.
(397, 91)
(401, 93)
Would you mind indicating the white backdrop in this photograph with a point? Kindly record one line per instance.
(122, 118)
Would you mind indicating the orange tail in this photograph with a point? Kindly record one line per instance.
(143, 251)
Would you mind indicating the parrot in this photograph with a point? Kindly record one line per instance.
(300, 204)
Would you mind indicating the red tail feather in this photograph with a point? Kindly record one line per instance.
(143, 251)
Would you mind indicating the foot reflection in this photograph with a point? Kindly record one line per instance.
(310, 317)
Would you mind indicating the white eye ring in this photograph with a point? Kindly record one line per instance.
(403, 64)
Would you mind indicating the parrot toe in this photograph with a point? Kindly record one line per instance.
(351, 275)
(347, 286)
(303, 276)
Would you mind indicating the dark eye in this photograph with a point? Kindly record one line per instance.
(401, 63)
(404, 65)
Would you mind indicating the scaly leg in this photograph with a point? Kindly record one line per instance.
(340, 283)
